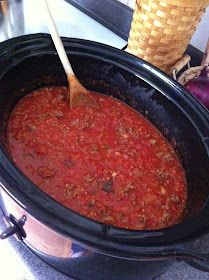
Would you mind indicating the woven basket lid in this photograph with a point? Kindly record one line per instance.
(188, 3)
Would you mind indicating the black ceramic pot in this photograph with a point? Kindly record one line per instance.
(84, 248)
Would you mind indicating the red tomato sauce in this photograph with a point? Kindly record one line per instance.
(108, 164)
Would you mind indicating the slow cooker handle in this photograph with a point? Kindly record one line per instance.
(15, 227)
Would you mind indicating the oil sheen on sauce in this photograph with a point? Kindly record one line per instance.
(109, 164)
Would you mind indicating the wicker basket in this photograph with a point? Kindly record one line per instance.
(161, 29)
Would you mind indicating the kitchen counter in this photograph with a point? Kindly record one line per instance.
(17, 261)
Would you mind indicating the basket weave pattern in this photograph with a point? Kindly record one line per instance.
(161, 30)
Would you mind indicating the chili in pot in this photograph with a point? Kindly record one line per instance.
(109, 164)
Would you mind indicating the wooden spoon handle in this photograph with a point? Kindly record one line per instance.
(57, 40)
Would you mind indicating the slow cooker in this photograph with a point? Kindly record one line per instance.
(88, 249)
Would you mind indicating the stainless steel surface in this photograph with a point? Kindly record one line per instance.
(27, 266)
(73, 258)
(38, 235)
(11, 19)
(20, 17)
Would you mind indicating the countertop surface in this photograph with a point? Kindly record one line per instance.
(27, 17)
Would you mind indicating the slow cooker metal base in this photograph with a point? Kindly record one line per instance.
(79, 262)
(100, 267)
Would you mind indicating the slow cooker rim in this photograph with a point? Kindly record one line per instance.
(136, 63)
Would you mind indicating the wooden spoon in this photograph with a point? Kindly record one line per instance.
(78, 94)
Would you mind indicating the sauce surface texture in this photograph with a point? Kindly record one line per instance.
(109, 164)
